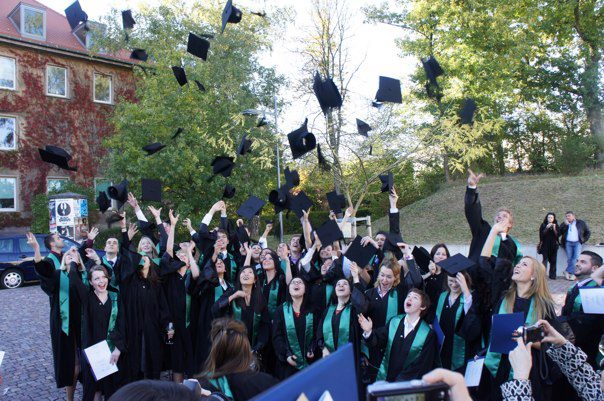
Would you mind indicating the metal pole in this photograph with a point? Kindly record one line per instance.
(278, 166)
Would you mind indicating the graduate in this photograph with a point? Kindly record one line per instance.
(148, 243)
(435, 279)
(313, 271)
(111, 261)
(410, 344)
(102, 319)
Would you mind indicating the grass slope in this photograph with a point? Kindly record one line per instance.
(440, 217)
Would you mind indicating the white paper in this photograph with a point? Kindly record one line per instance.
(98, 356)
(473, 372)
(326, 396)
(1, 357)
(592, 299)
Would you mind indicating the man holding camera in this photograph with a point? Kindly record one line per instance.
(573, 234)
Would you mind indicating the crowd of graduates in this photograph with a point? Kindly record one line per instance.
(160, 306)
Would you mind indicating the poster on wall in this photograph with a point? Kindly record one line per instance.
(65, 212)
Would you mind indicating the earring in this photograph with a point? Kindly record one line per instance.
(532, 278)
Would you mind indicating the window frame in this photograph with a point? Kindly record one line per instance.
(16, 134)
(110, 88)
(14, 88)
(66, 73)
(15, 196)
(64, 179)
(22, 22)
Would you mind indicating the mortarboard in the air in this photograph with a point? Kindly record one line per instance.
(119, 192)
(467, 111)
(433, 91)
(370, 150)
(103, 201)
(391, 244)
(336, 201)
(360, 254)
(113, 218)
(422, 258)
(375, 104)
(180, 75)
(139, 54)
(327, 93)
(229, 191)
(242, 234)
(323, 164)
(223, 165)
(260, 14)
(299, 203)
(177, 133)
(75, 15)
(292, 178)
(363, 128)
(198, 46)
(252, 206)
(230, 14)
(455, 264)
(389, 91)
(151, 190)
(153, 148)
(127, 19)
(503, 327)
(301, 141)
(200, 86)
(250, 112)
(280, 198)
(244, 146)
(261, 122)
(387, 182)
(329, 232)
(432, 69)
(57, 156)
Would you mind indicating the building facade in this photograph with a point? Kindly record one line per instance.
(53, 91)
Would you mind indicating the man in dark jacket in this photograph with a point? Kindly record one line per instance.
(573, 234)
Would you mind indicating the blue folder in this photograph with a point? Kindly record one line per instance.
(504, 325)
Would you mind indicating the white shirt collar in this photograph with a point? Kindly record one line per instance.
(409, 324)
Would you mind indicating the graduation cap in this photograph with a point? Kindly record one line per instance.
(422, 258)
(200, 86)
(151, 190)
(389, 91)
(261, 14)
(391, 244)
(299, 203)
(467, 111)
(180, 75)
(455, 264)
(244, 145)
(261, 122)
(301, 141)
(223, 165)
(329, 232)
(387, 182)
(370, 150)
(103, 201)
(327, 93)
(375, 104)
(229, 191)
(113, 218)
(279, 198)
(198, 46)
(251, 207)
(432, 69)
(242, 234)
(336, 201)
(177, 133)
(75, 14)
(153, 148)
(363, 128)
(230, 14)
(119, 193)
(322, 161)
(57, 156)
(292, 178)
(360, 254)
(139, 54)
(127, 20)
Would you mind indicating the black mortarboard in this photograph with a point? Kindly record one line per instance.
(390, 244)
(375, 104)
(180, 75)
(455, 264)
(119, 193)
(322, 161)
(433, 91)
(360, 254)
(242, 234)
(329, 232)
(113, 218)
(151, 190)
(57, 156)
(387, 182)
(422, 258)
(370, 150)
(177, 133)
(261, 14)
(292, 178)
(127, 20)
(327, 93)
(336, 201)
(261, 122)
(223, 165)
(200, 86)
(299, 203)
(363, 128)
(280, 198)
(103, 201)
(75, 15)
(252, 206)
(153, 148)
(244, 145)
(230, 14)
(301, 141)
(198, 46)
(467, 111)
(229, 191)
(432, 69)
(139, 54)
(389, 91)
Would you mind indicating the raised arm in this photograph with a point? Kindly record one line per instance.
(170, 242)
(306, 227)
(487, 248)
(207, 219)
(472, 206)
(283, 258)
(393, 213)
(192, 263)
(262, 241)
(31, 241)
(137, 209)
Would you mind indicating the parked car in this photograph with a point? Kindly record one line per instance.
(17, 259)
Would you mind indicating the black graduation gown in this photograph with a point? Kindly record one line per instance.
(434, 285)
(244, 385)
(495, 277)
(316, 293)
(64, 347)
(269, 360)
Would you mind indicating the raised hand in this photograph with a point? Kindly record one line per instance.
(305, 214)
(132, 230)
(368, 240)
(552, 336)
(474, 179)
(122, 220)
(91, 254)
(173, 219)
(325, 267)
(155, 212)
(187, 223)
(115, 355)
(94, 231)
(365, 323)
(461, 279)
(393, 198)
(132, 201)
(502, 226)
(354, 272)
(31, 241)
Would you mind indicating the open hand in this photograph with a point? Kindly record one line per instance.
(474, 179)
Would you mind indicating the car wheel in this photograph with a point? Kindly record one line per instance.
(12, 278)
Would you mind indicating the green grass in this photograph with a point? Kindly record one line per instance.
(440, 217)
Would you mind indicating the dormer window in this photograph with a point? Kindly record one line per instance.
(30, 21)
(88, 33)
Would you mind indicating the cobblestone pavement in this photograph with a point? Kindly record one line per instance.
(24, 335)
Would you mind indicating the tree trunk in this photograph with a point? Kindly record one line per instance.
(500, 158)
(446, 168)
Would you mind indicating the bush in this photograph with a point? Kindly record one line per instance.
(575, 154)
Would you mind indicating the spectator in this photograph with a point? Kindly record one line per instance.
(573, 234)
(548, 243)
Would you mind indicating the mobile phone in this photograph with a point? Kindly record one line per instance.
(533, 334)
(413, 390)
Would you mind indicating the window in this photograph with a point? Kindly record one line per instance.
(102, 88)
(89, 34)
(56, 81)
(7, 73)
(102, 184)
(8, 194)
(33, 22)
(8, 127)
(56, 184)
(7, 245)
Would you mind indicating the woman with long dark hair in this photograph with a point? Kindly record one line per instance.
(435, 279)
(548, 243)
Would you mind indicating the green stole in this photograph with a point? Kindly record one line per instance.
(222, 384)
(414, 351)
(343, 329)
(63, 293)
(255, 322)
(392, 310)
(328, 292)
(233, 268)
(493, 359)
(272, 296)
(113, 281)
(495, 251)
(458, 353)
(218, 291)
(292, 335)
(283, 265)
(113, 297)
(577, 304)
(187, 298)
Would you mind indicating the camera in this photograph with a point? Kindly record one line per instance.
(412, 390)
(533, 334)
